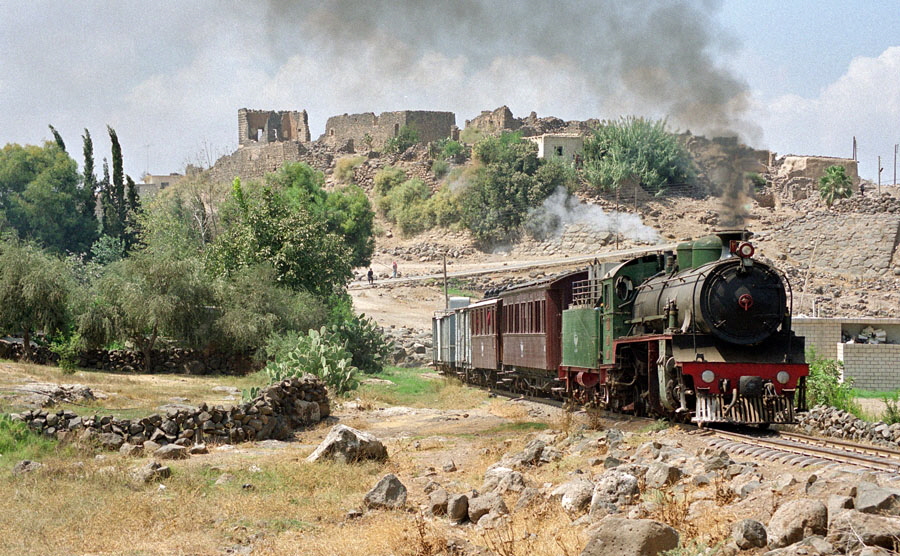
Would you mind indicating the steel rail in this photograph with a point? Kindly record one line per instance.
(839, 455)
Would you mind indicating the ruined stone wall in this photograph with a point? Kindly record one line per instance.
(852, 244)
(257, 127)
(494, 121)
(254, 162)
(431, 126)
(813, 167)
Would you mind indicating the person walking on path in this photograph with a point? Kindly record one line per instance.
(394, 265)
(371, 276)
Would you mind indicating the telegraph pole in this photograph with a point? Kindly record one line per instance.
(879, 176)
(446, 291)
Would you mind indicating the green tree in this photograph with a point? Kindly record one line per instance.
(89, 178)
(635, 148)
(252, 306)
(268, 228)
(41, 198)
(509, 181)
(147, 296)
(346, 211)
(57, 137)
(835, 184)
(119, 202)
(34, 290)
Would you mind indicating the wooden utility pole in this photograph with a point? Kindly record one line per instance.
(446, 291)
(879, 176)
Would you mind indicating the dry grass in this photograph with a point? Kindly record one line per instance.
(541, 530)
(96, 507)
(134, 392)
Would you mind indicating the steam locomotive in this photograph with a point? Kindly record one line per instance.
(701, 334)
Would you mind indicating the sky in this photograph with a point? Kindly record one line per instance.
(801, 77)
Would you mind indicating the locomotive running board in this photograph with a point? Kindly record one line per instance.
(714, 408)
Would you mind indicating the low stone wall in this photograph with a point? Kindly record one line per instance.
(274, 414)
(175, 360)
(830, 421)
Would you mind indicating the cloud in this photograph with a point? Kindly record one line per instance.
(864, 102)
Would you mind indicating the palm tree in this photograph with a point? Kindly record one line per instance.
(835, 184)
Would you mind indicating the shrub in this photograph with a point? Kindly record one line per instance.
(440, 168)
(18, 442)
(835, 184)
(826, 385)
(444, 207)
(68, 349)
(756, 180)
(406, 138)
(345, 168)
(405, 206)
(635, 148)
(891, 413)
(388, 178)
(364, 340)
(318, 353)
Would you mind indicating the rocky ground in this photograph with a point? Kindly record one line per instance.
(455, 473)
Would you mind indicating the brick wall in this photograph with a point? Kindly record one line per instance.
(872, 366)
(822, 334)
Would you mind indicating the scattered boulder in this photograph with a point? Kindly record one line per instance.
(484, 504)
(615, 487)
(130, 450)
(153, 471)
(437, 502)
(389, 493)
(660, 474)
(198, 449)
(574, 496)
(749, 533)
(797, 520)
(171, 451)
(458, 507)
(26, 466)
(614, 536)
(852, 528)
(871, 498)
(346, 444)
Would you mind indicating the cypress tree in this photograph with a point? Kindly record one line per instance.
(56, 136)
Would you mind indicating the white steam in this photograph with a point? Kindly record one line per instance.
(561, 210)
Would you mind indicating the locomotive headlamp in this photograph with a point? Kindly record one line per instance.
(783, 377)
(745, 250)
(708, 376)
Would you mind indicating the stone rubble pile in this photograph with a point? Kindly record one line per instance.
(275, 413)
(831, 421)
(870, 203)
(412, 348)
(427, 252)
(46, 394)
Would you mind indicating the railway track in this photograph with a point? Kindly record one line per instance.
(782, 446)
(804, 451)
